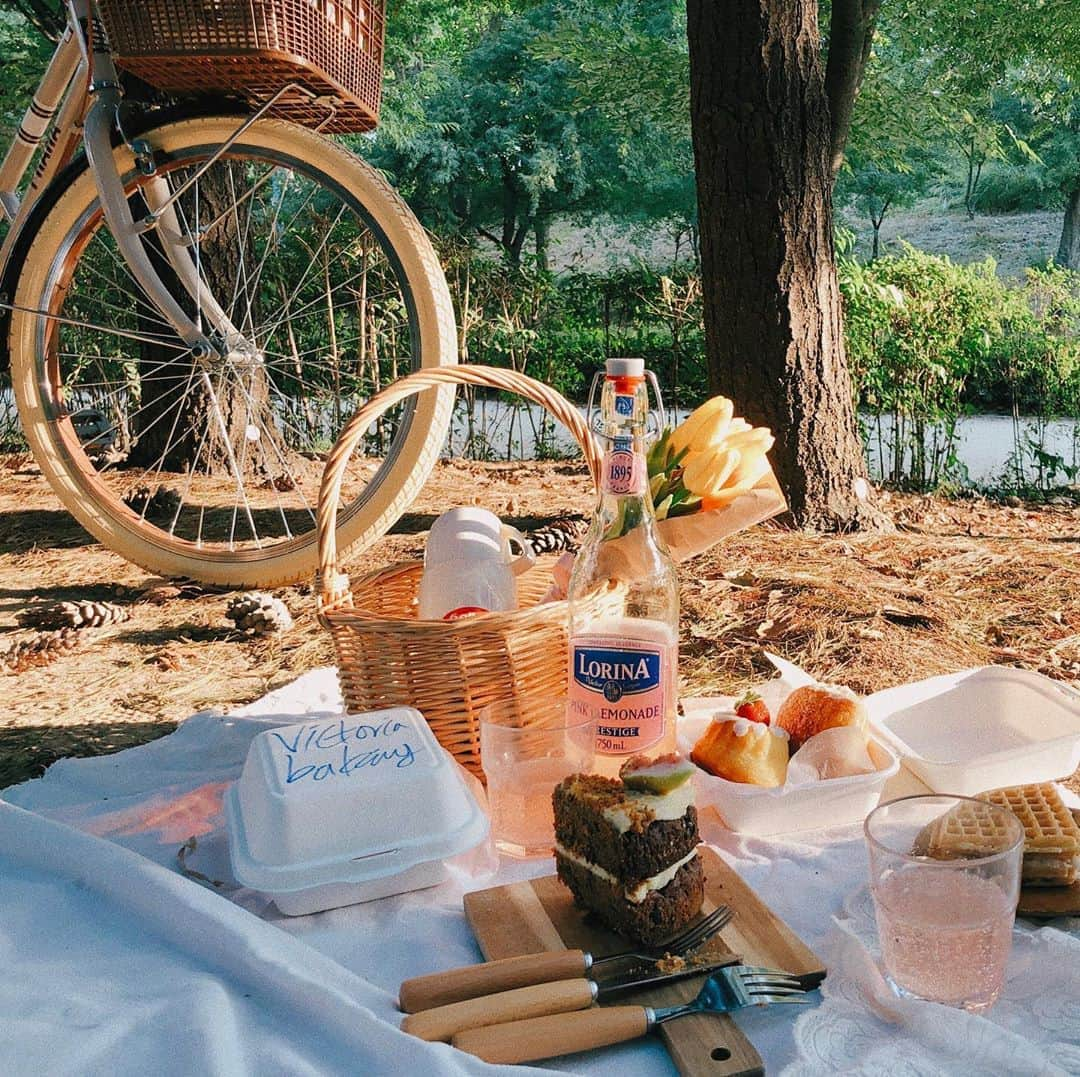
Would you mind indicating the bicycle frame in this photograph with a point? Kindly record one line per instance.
(62, 87)
(81, 83)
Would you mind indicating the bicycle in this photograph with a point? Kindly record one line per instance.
(198, 301)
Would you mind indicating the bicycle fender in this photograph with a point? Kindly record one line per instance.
(18, 247)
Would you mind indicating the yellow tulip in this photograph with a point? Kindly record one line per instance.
(758, 438)
(704, 473)
(705, 425)
(725, 497)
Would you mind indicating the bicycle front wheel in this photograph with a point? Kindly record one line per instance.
(210, 468)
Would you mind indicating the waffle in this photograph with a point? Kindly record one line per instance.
(962, 833)
(1051, 834)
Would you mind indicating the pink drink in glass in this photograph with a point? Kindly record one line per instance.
(945, 878)
(945, 935)
(527, 747)
(522, 816)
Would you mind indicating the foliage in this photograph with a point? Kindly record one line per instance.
(951, 78)
(1011, 188)
(505, 145)
(629, 61)
(930, 340)
(23, 56)
(872, 189)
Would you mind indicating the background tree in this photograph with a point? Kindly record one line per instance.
(873, 190)
(764, 148)
(998, 44)
(504, 146)
(892, 158)
(1055, 141)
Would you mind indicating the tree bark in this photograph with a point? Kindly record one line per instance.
(851, 35)
(1068, 253)
(876, 220)
(761, 133)
(541, 232)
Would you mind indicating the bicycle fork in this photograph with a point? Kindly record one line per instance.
(106, 94)
(224, 343)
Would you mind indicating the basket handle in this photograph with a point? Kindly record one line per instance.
(332, 585)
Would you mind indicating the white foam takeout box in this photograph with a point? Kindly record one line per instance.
(335, 811)
(790, 808)
(981, 729)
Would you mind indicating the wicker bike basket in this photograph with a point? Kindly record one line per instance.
(329, 51)
(450, 670)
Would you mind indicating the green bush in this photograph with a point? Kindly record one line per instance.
(1006, 188)
(930, 340)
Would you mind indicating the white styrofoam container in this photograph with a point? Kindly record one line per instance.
(982, 728)
(336, 811)
(786, 809)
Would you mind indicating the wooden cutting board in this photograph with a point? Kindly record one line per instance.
(539, 915)
(1047, 902)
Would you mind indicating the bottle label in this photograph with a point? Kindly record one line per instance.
(624, 405)
(624, 469)
(621, 685)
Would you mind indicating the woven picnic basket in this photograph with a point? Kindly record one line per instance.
(448, 670)
(329, 51)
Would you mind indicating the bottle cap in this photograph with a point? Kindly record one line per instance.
(626, 368)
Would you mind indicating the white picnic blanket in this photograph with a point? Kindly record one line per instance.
(116, 962)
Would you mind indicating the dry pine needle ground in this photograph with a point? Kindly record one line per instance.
(961, 583)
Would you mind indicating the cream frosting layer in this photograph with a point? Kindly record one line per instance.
(644, 888)
(671, 805)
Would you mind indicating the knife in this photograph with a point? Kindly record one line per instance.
(538, 1000)
(508, 973)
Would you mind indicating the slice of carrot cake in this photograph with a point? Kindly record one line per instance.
(627, 848)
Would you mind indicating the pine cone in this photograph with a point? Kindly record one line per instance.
(40, 650)
(564, 534)
(258, 613)
(55, 615)
(162, 501)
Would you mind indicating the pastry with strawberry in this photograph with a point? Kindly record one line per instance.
(753, 707)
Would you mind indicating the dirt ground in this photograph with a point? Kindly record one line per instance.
(960, 583)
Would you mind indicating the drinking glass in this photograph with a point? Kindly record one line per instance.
(526, 748)
(945, 879)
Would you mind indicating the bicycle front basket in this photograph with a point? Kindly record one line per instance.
(331, 51)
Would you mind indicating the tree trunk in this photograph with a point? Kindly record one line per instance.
(184, 423)
(540, 228)
(1068, 253)
(975, 161)
(851, 34)
(876, 220)
(760, 124)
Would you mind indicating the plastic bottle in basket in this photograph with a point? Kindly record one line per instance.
(470, 565)
(623, 670)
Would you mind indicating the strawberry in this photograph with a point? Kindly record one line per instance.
(752, 706)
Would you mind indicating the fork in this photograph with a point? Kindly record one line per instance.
(727, 990)
(509, 973)
(686, 942)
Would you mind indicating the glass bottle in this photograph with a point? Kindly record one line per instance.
(623, 668)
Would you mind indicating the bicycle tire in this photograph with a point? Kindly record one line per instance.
(60, 454)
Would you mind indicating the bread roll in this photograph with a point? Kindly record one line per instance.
(817, 707)
(743, 751)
